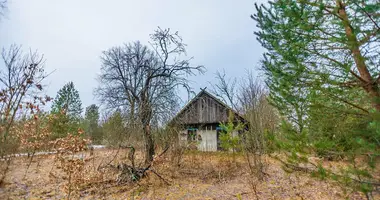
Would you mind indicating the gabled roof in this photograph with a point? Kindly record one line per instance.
(204, 92)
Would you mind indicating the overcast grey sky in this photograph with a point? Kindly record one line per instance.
(72, 34)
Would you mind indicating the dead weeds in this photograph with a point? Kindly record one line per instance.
(199, 175)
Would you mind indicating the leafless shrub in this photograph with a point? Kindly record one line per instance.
(250, 99)
(33, 135)
(171, 140)
(20, 82)
(226, 89)
(262, 119)
(70, 162)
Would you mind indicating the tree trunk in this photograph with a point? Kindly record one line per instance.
(370, 86)
(149, 144)
(146, 117)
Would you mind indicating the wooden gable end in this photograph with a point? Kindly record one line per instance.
(202, 110)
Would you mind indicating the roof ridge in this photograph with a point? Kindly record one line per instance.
(209, 94)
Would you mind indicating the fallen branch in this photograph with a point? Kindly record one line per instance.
(159, 176)
(131, 173)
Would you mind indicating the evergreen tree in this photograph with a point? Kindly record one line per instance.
(92, 123)
(68, 101)
(322, 67)
(229, 138)
(66, 109)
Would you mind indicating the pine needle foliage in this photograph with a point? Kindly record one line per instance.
(322, 69)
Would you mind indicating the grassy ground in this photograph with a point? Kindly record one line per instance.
(199, 176)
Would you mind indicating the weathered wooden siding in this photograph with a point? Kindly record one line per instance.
(202, 116)
(209, 140)
(204, 110)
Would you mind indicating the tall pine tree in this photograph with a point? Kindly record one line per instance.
(68, 101)
(67, 110)
(322, 67)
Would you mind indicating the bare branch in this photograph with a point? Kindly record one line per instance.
(20, 82)
(226, 89)
(145, 81)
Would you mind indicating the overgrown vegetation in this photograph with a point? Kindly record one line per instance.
(318, 114)
(143, 80)
(91, 124)
(229, 137)
(67, 111)
(322, 72)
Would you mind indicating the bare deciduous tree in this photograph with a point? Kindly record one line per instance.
(262, 118)
(20, 78)
(144, 80)
(252, 97)
(226, 89)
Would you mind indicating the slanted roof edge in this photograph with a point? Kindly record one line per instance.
(196, 97)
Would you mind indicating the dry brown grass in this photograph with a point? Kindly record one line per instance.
(200, 175)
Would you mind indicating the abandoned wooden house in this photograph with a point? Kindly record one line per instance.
(200, 119)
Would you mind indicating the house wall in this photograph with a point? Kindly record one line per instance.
(203, 113)
(209, 140)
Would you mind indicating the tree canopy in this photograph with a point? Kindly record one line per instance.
(68, 101)
(143, 80)
(322, 68)
(66, 111)
(91, 121)
(329, 47)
